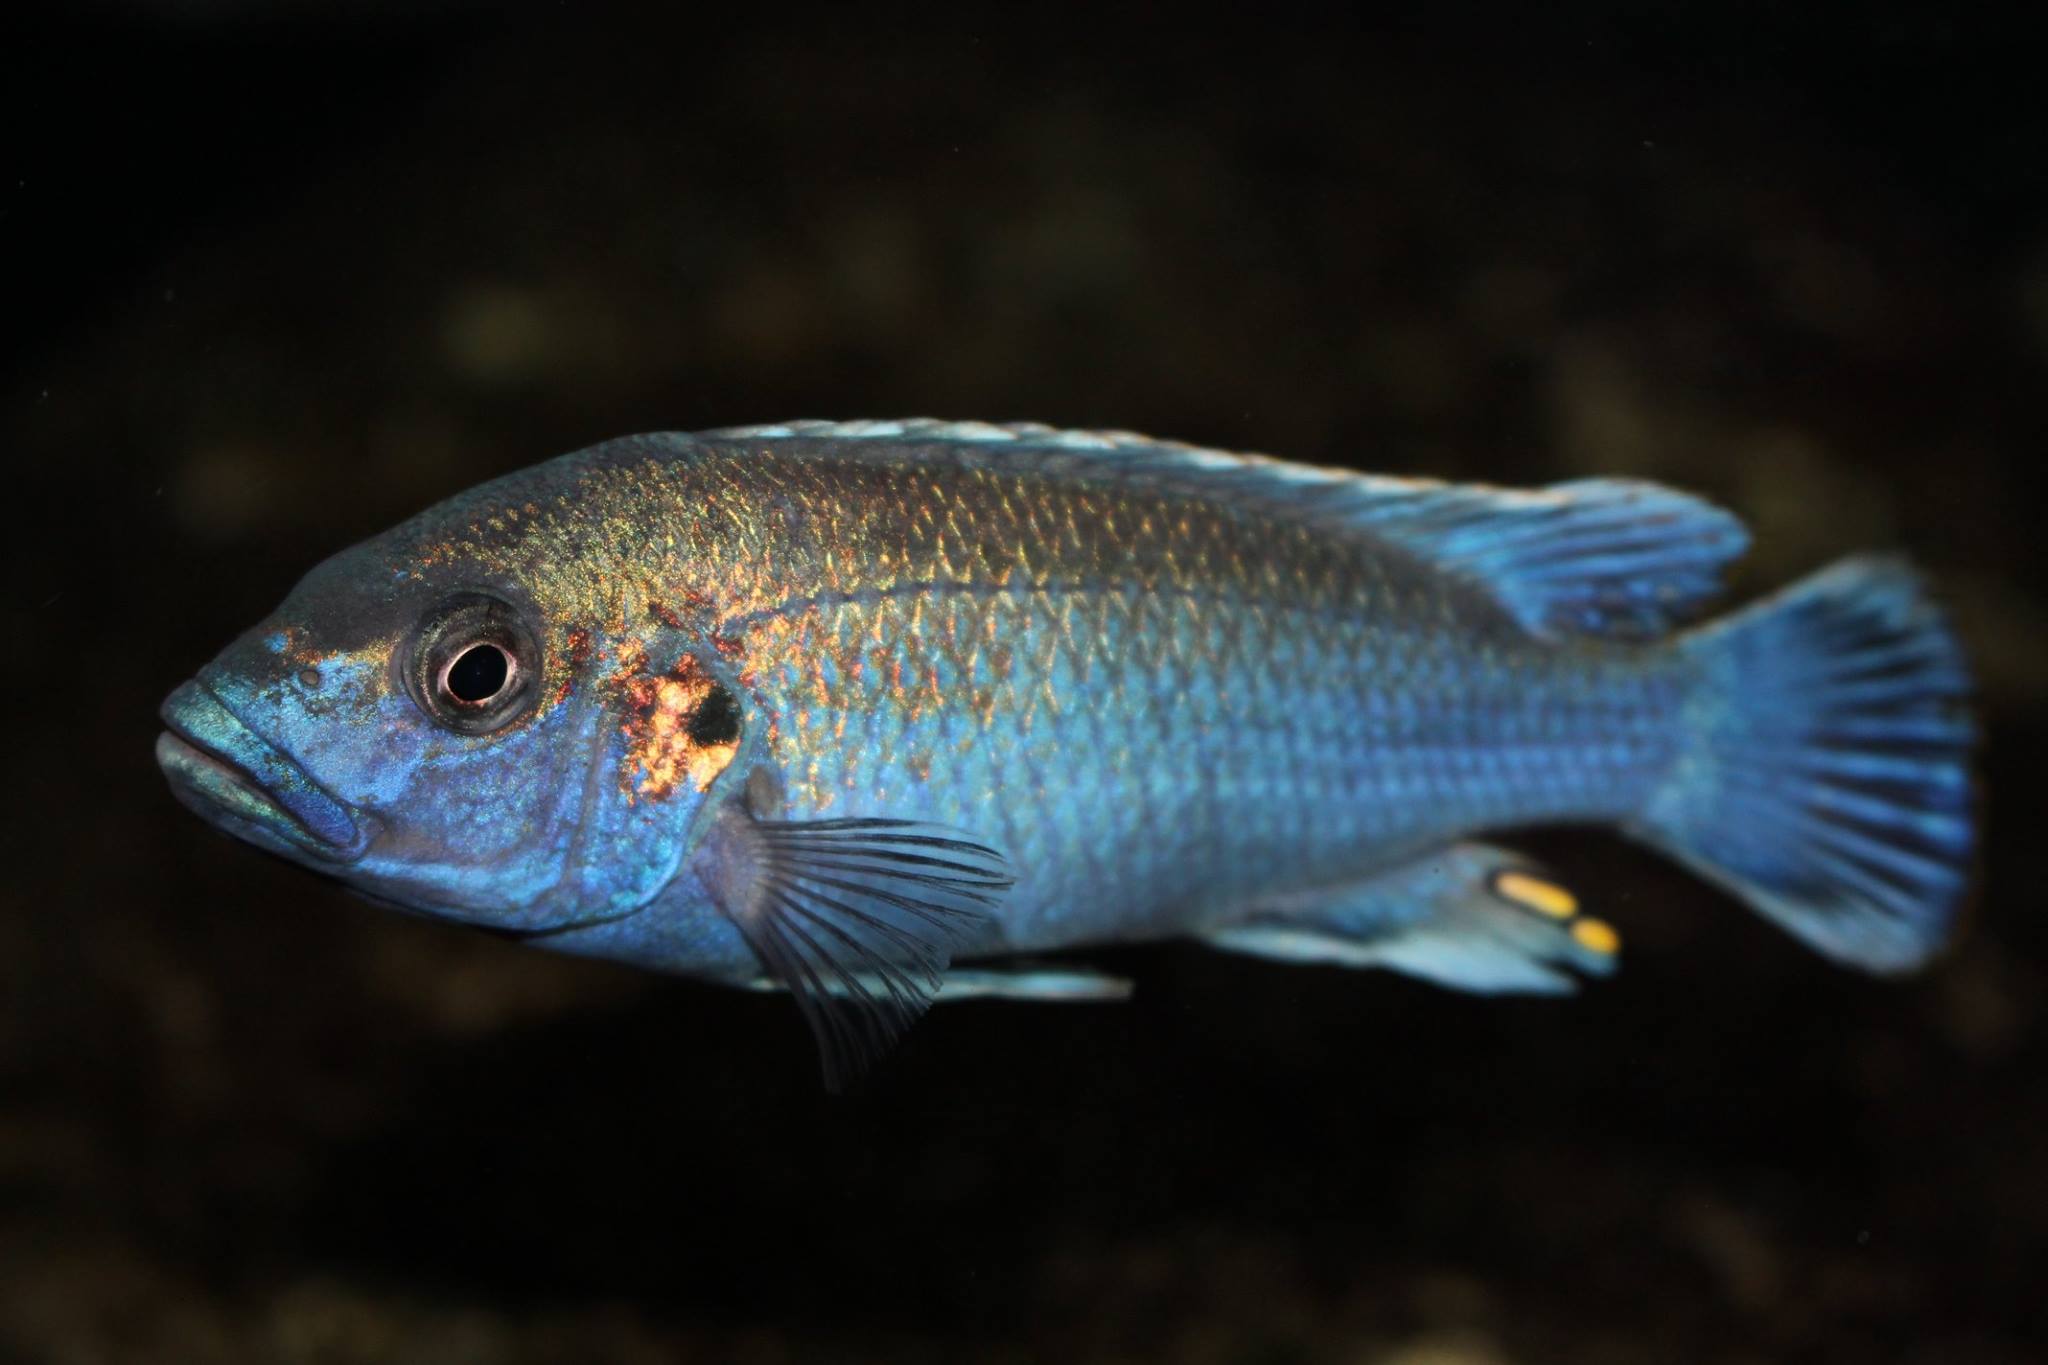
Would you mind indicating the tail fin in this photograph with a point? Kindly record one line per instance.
(1827, 776)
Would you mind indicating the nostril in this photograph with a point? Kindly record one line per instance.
(309, 677)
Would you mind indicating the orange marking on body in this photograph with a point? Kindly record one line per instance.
(660, 752)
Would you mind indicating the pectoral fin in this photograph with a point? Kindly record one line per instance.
(857, 919)
(1471, 917)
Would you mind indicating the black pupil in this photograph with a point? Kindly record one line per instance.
(478, 674)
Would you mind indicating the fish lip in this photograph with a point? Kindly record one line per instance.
(228, 773)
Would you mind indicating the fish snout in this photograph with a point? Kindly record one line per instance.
(229, 774)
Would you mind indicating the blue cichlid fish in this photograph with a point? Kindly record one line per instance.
(836, 708)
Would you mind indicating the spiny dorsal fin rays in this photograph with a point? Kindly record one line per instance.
(1618, 558)
(858, 919)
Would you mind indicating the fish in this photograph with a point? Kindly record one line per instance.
(889, 712)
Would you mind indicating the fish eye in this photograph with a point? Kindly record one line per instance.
(474, 663)
(477, 674)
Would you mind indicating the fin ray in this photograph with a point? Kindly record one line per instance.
(858, 920)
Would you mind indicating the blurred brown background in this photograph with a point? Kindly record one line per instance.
(276, 277)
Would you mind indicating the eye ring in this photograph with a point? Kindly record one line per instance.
(474, 664)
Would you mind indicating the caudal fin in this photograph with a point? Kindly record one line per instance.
(1827, 776)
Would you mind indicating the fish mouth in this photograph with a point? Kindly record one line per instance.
(236, 779)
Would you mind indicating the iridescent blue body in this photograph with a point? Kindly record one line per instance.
(1153, 763)
(839, 707)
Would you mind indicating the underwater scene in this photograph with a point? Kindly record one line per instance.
(796, 686)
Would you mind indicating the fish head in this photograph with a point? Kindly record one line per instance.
(462, 724)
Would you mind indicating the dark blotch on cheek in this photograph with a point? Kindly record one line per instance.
(716, 719)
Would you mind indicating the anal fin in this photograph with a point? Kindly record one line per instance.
(1472, 917)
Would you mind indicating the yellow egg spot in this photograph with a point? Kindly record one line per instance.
(1596, 936)
(1534, 893)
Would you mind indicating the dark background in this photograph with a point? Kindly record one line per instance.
(276, 277)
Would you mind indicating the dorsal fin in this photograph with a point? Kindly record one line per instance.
(1610, 557)
(1619, 558)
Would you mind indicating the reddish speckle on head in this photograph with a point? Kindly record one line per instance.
(578, 655)
(631, 657)
(665, 616)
